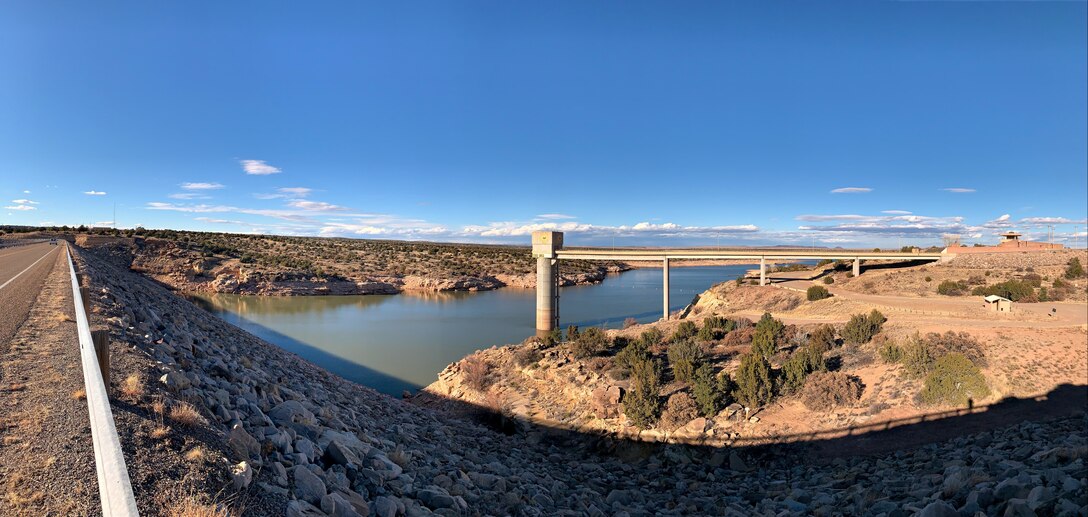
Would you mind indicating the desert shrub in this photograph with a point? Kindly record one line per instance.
(1034, 279)
(684, 357)
(590, 342)
(1060, 284)
(635, 351)
(801, 363)
(754, 387)
(718, 322)
(738, 338)
(952, 288)
(526, 355)
(827, 390)
(976, 280)
(629, 322)
(824, 262)
(955, 343)
(890, 352)
(642, 403)
(1015, 290)
(954, 380)
(679, 410)
(829, 280)
(553, 338)
(917, 358)
(768, 332)
(1074, 269)
(709, 334)
(651, 337)
(823, 338)
(817, 292)
(861, 328)
(477, 372)
(711, 391)
(929, 279)
(572, 332)
(686, 330)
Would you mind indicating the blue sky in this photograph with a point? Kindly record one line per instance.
(650, 123)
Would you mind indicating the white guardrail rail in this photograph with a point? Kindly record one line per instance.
(114, 485)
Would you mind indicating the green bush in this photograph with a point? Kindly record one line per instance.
(955, 380)
(642, 402)
(1015, 290)
(572, 332)
(755, 387)
(590, 342)
(806, 360)
(651, 338)
(952, 288)
(634, 352)
(767, 334)
(890, 352)
(1074, 269)
(861, 328)
(817, 292)
(684, 357)
(686, 330)
(829, 280)
(827, 390)
(711, 391)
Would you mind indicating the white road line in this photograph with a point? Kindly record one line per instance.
(5, 284)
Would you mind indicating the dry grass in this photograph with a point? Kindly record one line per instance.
(133, 387)
(79, 394)
(61, 317)
(191, 507)
(186, 414)
(16, 387)
(159, 407)
(19, 491)
(197, 455)
(160, 432)
(49, 462)
(400, 457)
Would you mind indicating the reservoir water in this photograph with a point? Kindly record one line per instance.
(400, 342)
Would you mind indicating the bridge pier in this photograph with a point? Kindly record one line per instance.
(857, 267)
(545, 245)
(762, 270)
(665, 275)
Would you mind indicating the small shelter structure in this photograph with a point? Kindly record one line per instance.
(998, 304)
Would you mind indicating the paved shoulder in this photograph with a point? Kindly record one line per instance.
(22, 272)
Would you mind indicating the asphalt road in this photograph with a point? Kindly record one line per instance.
(23, 270)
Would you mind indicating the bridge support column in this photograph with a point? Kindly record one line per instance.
(857, 267)
(545, 245)
(665, 276)
(762, 270)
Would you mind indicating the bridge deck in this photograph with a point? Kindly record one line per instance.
(734, 254)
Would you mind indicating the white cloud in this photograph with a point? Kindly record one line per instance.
(555, 216)
(959, 190)
(895, 212)
(23, 208)
(513, 229)
(24, 202)
(259, 168)
(103, 223)
(201, 186)
(851, 190)
(26, 192)
(1052, 220)
(316, 206)
(95, 193)
(295, 191)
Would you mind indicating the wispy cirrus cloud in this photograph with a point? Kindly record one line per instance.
(24, 202)
(896, 212)
(852, 190)
(551, 217)
(514, 229)
(259, 168)
(1052, 220)
(22, 208)
(94, 193)
(286, 192)
(316, 206)
(959, 190)
(201, 186)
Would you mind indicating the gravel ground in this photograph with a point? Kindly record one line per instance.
(46, 452)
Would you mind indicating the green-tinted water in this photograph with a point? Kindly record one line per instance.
(398, 342)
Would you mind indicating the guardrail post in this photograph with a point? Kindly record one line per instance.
(101, 339)
(85, 295)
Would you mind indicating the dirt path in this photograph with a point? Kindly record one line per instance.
(46, 453)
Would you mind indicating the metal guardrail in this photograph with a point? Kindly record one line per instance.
(114, 485)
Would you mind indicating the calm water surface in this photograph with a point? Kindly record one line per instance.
(400, 342)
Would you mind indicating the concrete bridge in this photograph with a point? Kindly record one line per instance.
(548, 250)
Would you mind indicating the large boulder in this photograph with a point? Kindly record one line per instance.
(308, 486)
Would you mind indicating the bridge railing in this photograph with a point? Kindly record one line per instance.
(114, 485)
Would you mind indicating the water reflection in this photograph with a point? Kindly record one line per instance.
(398, 342)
